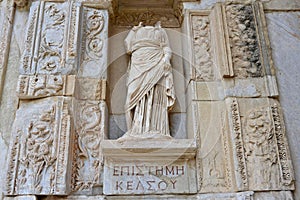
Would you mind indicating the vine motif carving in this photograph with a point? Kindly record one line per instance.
(201, 44)
(94, 43)
(88, 161)
(238, 142)
(243, 41)
(286, 172)
(37, 156)
(50, 53)
(260, 147)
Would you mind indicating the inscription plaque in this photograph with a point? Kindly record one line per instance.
(147, 177)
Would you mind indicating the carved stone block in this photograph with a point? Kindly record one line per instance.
(94, 42)
(90, 128)
(40, 149)
(51, 38)
(39, 86)
(260, 150)
(90, 89)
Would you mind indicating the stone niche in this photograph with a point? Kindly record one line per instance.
(228, 134)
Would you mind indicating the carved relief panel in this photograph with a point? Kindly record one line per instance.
(50, 46)
(94, 40)
(202, 69)
(88, 160)
(261, 154)
(40, 150)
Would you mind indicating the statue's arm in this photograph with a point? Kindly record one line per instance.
(127, 41)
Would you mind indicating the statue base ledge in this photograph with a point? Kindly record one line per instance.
(167, 148)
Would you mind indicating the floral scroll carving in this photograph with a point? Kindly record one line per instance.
(89, 133)
(50, 53)
(94, 43)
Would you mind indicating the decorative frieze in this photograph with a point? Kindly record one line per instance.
(38, 162)
(39, 86)
(285, 166)
(262, 144)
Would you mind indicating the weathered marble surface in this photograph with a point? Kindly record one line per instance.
(284, 32)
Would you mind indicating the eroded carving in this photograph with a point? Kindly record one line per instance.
(94, 42)
(243, 40)
(38, 86)
(260, 150)
(90, 89)
(149, 17)
(88, 163)
(28, 53)
(203, 66)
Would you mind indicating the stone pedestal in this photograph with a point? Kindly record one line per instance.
(149, 167)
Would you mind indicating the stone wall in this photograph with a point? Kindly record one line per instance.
(219, 103)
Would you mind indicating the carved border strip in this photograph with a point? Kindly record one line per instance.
(5, 38)
(286, 171)
(237, 143)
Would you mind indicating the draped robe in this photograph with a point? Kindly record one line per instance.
(150, 90)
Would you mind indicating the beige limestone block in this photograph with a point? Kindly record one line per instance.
(272, 195)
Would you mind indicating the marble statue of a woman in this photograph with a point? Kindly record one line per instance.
(150, 86)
